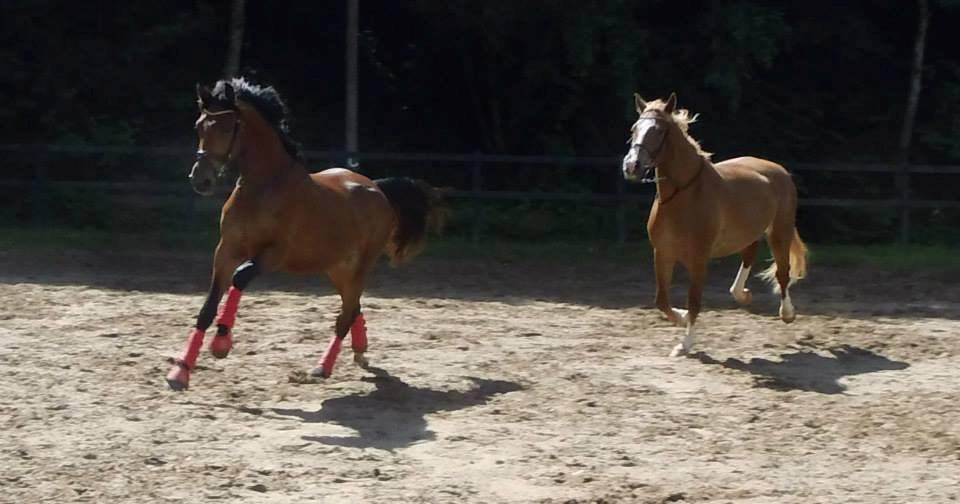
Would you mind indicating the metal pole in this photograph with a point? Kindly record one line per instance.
(621, 209)
(353, 22)
(476, 186)
(909, 117)
(40, 199)
(903, 193)
(235, 40)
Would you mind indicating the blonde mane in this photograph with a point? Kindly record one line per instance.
(683, 119)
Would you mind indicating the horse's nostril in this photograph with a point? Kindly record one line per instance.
(203, 185)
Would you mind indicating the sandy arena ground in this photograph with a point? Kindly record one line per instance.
(494, 381)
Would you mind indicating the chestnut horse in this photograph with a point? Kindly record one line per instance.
(282, 218)
(705, 210)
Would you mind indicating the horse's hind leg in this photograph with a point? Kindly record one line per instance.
(779, 242)
(740, 293)
(350, 283)
(358, 339)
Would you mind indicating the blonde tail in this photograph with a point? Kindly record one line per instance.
(798, 264)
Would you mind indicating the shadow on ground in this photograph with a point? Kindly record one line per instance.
(809, 371)
(393, 415)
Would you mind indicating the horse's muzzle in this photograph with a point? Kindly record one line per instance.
(649, 174)
(632, 172)
(203, 183)
(203, 187)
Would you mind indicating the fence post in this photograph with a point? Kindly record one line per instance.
(40, 190)
(621, 209)
(903, 190)
(476, 185)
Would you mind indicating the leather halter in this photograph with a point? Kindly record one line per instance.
(648, 173)
(201, 154)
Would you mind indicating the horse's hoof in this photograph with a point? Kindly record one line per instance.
(221, 345)
(679, 351)
(360, 360)
(788, 314)
(680, 317)
(744, 298)
(319, 372)
(178, 378)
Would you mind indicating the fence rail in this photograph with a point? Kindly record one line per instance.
(477, 163)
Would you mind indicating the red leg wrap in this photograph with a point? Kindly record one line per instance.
(330, 356)
(179, 376)
(222, 343)
(358, 334)
(228, 314)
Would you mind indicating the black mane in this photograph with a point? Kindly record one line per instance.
(267, 101)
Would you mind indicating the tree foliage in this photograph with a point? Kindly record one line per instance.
(816, 80)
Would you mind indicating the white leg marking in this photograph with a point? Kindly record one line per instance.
(680, 317)
(787, 311)
(684, 347)
(741, 294)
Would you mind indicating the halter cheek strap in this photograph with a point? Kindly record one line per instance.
(233, 135)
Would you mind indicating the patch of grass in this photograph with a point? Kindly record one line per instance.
(548, 250)
(18, 238)
(890, 256)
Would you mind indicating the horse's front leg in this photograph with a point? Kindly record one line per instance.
(223, 341)
(179, 376)
(697, 270)
(663, 267)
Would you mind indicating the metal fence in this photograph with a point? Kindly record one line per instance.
(476, 164)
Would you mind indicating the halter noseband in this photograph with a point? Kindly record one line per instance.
(201, 154)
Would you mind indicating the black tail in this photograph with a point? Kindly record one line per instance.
(416, 204)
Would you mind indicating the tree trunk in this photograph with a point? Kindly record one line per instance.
(235, 41)
(909, 115)
(470, 78)
(916, 82)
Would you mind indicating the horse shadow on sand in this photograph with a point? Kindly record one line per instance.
(393, 414)
(809, 371)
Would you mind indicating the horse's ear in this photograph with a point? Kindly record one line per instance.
(204, 96)
(671, 103)
(229, 94)
(640, 103)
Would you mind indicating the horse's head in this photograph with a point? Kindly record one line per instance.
(217, 129)
(648, 137)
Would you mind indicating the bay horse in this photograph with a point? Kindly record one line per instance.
(704, 210)
(280, 217)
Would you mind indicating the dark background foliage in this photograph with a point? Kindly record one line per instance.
(819, 81)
